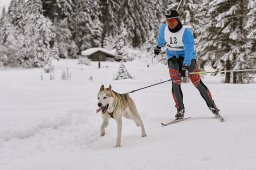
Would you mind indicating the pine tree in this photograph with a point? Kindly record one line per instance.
(11, 39)
(38, 32)
(15, 13)
(55, 51)
(250, 29)
(191, 8)
(109, 17)
(58, 9)
(122, 73)
(3, 14)
(67, 47)
(205, 44)
(121, 40)
(4, 28)
(12, 11)
(141, 17)
(137, 16)
(224, 40)
(149, 45)
(96, 34)
(86, 26)
(60, 12)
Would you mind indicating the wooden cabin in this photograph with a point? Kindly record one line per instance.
(98, 54)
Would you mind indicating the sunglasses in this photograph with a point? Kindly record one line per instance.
(171, 19)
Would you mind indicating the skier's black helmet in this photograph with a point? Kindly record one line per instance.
(171, 13)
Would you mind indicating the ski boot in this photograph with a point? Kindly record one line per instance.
(216, 112)
(180, 114)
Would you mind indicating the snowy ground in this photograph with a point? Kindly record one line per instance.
(52, 125)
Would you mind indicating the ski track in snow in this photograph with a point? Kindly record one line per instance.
(67, 132)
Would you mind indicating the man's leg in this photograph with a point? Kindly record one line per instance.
(176, 89)
(204, 91)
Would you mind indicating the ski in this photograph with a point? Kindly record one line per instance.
(220, 118)
(174, 121)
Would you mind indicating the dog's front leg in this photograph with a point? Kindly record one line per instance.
(104, 124)
(119, 131)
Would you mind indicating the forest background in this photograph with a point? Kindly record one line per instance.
(34, 32)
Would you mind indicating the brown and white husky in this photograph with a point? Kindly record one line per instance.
(115, 105)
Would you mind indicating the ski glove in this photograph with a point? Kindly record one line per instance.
(157, 50)
(184, 72)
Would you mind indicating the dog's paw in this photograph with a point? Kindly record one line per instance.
(117, 146)
(102, 134)
(144, 135)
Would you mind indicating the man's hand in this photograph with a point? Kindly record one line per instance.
(184, 72)
(157, 50)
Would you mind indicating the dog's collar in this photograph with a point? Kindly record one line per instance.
(112, 113)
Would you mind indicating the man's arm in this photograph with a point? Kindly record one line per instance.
(160, 40)
(189, 46)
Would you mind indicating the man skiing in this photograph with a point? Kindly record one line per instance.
(182, 61)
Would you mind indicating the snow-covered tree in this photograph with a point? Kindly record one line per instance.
(188, 9)
(223, 42)
(224, 29)
(3, 35)
(11, 39)
(38, 32)
(86, 26)
(55, 51)
(205, 35)
(84, 31)
(96, 34)
(122, 73)
(250, 31)
(58, 9)
(3, 56)
(3, 14)
(136, 14)
(140, 18)
(12, 10)
(16, 12)
(121, 40)
(67, 47)
(109, 17)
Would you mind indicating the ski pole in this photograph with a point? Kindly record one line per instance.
(178, 5)
(217, 71)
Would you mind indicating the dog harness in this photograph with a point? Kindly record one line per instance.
(111, 115)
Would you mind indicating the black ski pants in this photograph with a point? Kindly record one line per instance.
(175, 70)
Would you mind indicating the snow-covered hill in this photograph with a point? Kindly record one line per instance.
(52, 124)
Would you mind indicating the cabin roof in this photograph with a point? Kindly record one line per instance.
(91, 51)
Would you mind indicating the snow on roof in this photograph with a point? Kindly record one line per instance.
(91, 51)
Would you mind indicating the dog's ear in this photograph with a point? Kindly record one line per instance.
(102, 88)
(110, 87)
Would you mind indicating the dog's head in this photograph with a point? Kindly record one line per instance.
(105, 98)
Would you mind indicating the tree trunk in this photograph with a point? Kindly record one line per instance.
(227, 74)
(240, 78)
(234, 77)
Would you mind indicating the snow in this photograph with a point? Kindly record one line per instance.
(4, 3)
(52, 124)
(94, 50)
